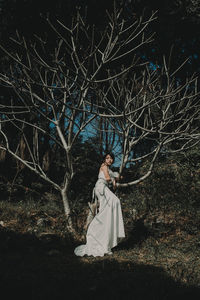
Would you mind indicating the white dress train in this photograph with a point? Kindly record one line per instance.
(107, 226)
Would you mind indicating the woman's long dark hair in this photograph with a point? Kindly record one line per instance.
(108, 153)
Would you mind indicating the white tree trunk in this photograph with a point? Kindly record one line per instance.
(67, 210)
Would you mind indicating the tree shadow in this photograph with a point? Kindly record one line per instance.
(135, 236)
(46, 268)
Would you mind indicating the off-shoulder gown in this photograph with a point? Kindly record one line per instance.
(107, 226)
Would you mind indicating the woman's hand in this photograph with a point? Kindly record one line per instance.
(118, 178)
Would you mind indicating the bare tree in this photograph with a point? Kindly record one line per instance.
(154, 109)
(56, 91)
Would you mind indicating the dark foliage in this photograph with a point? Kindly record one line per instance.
(177, 23)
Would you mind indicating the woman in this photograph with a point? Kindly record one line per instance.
(107, 225)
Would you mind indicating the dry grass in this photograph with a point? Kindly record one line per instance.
(158, 259)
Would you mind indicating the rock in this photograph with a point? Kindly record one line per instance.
(2, 223)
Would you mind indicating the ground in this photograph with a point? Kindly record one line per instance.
(158, 259)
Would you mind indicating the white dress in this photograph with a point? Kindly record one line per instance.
(107, 225)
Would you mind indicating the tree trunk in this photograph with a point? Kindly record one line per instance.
(67, 211)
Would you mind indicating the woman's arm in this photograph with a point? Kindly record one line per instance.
(104, 168)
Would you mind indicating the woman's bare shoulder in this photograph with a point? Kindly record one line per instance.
(103, 167)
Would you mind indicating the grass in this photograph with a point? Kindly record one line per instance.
(158, 259)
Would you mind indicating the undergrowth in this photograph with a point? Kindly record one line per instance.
(158, 259)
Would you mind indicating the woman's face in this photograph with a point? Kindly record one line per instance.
(108, 160)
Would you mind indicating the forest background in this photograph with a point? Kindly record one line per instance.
(161, 210)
